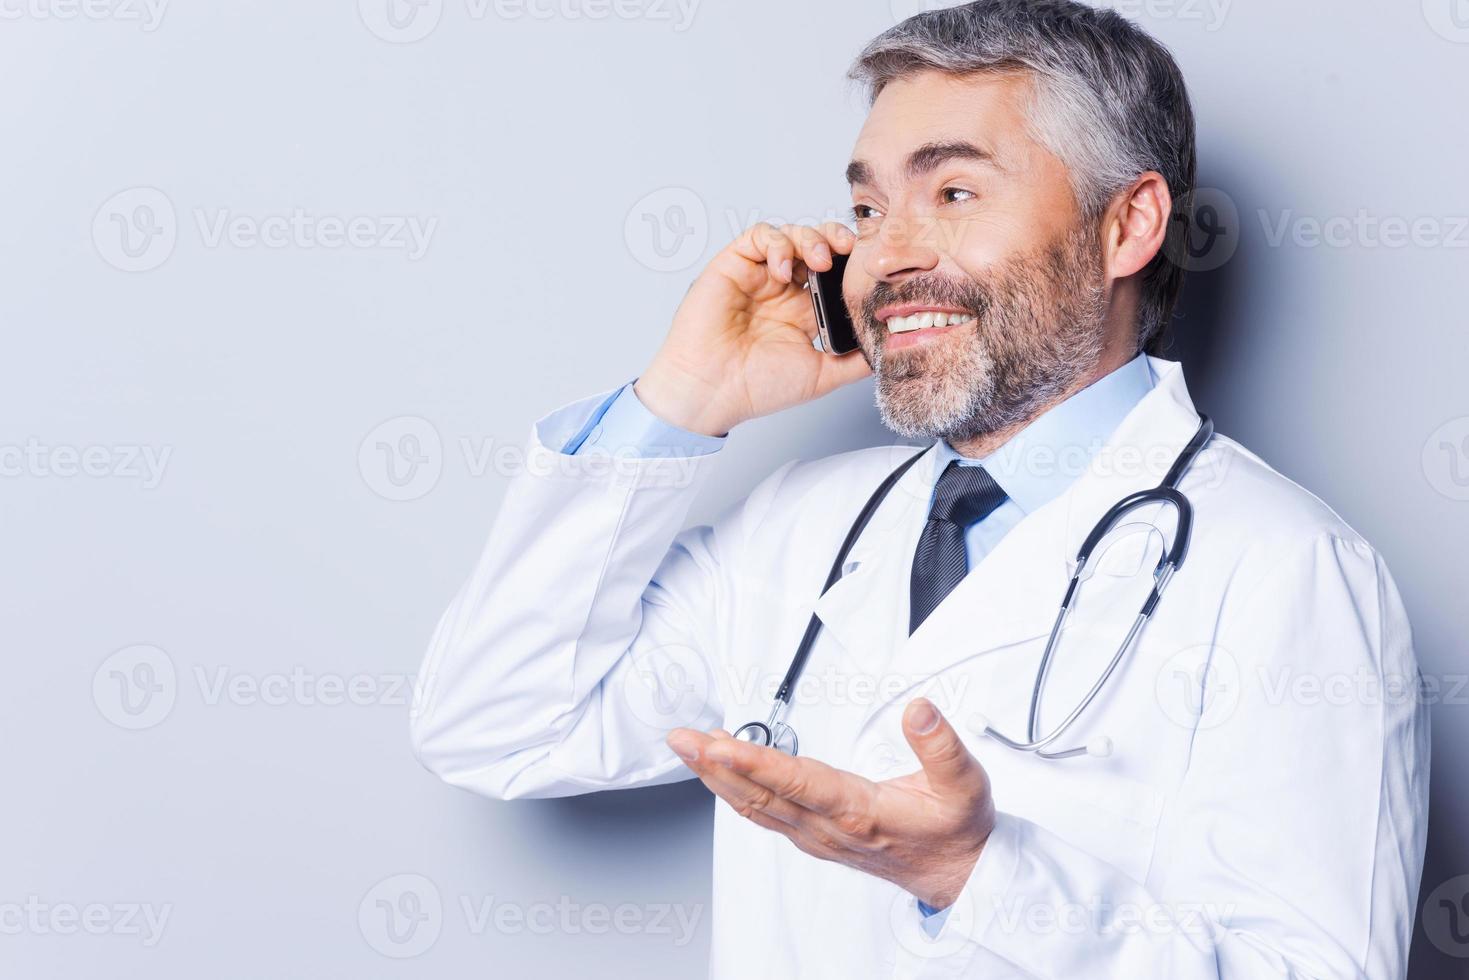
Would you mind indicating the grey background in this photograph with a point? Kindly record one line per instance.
(531, 138)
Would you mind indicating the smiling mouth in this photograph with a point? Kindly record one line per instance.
(925, 320)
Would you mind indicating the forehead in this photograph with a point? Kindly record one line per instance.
(987, 110)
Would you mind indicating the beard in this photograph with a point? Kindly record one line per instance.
(1038, 331)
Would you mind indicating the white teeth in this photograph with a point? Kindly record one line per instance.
(922, 321)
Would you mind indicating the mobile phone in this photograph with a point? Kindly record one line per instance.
(838, 335)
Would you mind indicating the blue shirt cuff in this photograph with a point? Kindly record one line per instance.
(623, 423)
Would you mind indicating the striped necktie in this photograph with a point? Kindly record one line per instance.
(964, 495)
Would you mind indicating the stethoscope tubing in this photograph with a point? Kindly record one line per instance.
(772, 731)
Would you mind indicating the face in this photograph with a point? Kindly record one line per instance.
(977, 291)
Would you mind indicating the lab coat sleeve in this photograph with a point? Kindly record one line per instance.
(1294, 845)
(589, 628)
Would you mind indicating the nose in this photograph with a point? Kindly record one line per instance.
(900, 251)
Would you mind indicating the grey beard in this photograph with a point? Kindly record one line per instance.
(1038, 331)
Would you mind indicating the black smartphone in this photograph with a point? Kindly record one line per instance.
(838, 336)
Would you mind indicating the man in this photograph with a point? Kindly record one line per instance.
(1254, 798)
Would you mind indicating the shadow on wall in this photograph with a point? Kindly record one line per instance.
(1209, 339)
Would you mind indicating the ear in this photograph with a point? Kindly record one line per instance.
(1136, 225)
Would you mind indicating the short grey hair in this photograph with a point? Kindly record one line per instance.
(1108, 100)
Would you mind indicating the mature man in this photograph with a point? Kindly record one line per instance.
(1014, 190)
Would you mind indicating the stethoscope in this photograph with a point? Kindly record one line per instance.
(774, 731)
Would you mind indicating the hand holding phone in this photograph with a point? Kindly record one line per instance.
(742, 342)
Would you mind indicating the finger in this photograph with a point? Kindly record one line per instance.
(843, 369)
(687, 744)
(944, 757)
(808, 830)
(746, 797)
(764, 243)
(812, 785)
(751, 800)
(812, 248)
(839, 237)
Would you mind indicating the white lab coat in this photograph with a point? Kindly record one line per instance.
(1267, 824)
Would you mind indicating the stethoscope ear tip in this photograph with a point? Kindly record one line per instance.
(978, 723)
(1099, 747)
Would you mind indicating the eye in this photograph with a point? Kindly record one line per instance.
(861, 212)
(947, 193)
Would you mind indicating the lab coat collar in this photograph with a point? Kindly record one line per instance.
(1040, 461)
(1013, 594)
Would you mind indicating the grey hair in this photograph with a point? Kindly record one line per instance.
(1108, 100)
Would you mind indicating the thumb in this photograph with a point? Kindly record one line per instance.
(941, 753)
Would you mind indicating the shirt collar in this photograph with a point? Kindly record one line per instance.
(1040, 461)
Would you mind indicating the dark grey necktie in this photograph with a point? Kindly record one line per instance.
(964, 495)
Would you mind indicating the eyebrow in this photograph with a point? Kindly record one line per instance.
(925, 159)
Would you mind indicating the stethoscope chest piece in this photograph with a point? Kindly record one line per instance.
(777, 735)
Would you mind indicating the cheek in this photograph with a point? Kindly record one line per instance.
(856, 286)
(977, 245)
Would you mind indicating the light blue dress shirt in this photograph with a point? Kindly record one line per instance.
(1034, 467)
